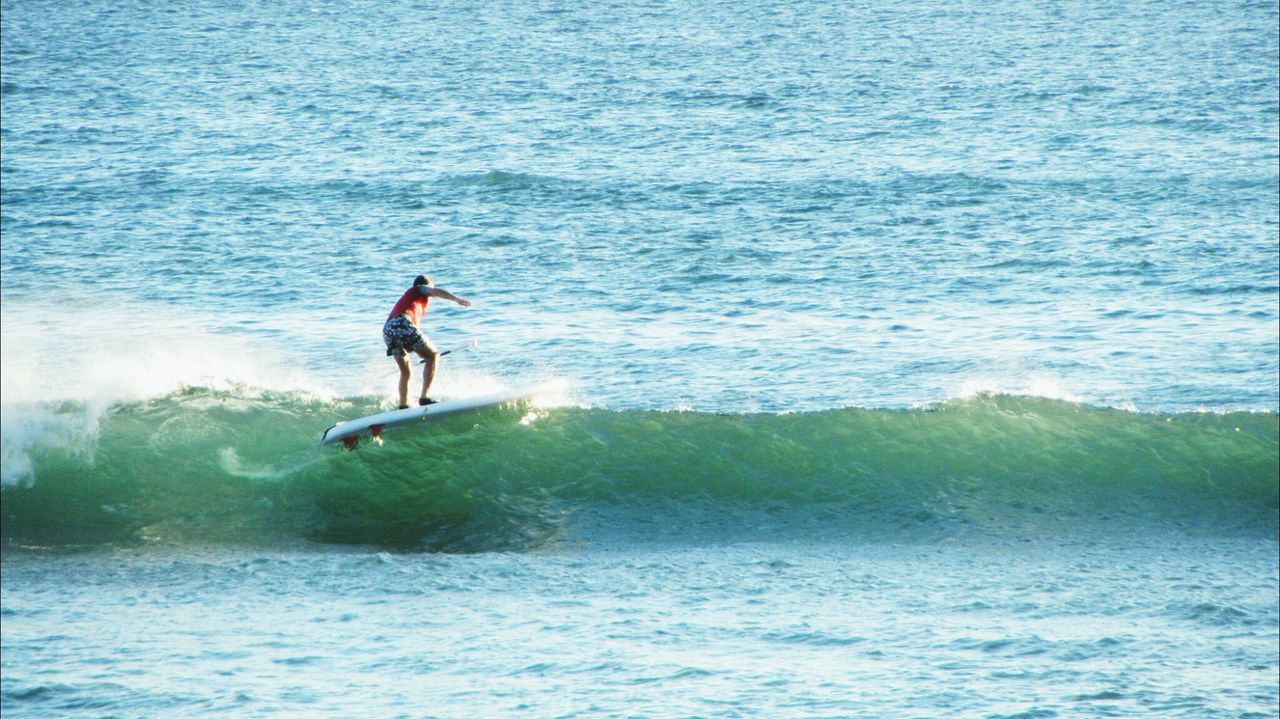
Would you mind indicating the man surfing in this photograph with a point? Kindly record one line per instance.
(402, 335)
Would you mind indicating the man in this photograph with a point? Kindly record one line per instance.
(402, 335)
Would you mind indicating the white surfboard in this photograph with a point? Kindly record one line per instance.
(349, 433)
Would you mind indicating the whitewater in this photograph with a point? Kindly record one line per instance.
(917, 360)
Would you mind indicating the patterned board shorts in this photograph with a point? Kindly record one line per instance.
(402, 337)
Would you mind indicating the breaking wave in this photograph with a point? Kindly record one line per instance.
(235, 466)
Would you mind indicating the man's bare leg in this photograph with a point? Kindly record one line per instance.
(430, 357)
(402, 361)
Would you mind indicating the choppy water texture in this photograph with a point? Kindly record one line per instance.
(720, 204)
(923, 359)
(1166, 627)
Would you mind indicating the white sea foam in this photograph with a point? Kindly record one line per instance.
(25, 427)
(1031, 386)
(58, 378)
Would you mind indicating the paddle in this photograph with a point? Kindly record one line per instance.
(469, 344)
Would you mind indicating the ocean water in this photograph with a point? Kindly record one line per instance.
(921, 359)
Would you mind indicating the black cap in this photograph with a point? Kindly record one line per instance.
(423, 280)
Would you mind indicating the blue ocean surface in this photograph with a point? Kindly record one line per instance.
(921, 359)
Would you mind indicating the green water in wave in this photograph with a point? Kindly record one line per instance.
(226, 467)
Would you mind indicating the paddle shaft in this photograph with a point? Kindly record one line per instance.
(471, 343)
(465, 345)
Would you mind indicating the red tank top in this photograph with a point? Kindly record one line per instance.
(412, 304)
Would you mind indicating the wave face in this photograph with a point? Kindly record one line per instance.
(201, 466)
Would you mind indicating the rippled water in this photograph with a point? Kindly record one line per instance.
(1164, 627)
(891, 332)
(721, 205)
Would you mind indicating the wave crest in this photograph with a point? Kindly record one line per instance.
(227, 466)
